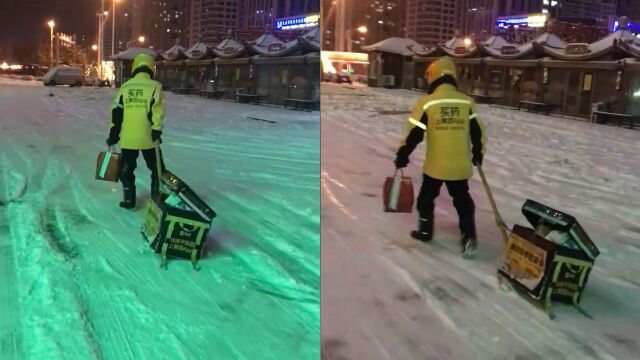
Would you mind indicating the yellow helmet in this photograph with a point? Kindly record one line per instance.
(439, 68)
(143, 60)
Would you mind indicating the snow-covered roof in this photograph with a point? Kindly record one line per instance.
(229, 48)
(396, 45)
(176, 52)
(269, 45)
(131, 53)
(630, 47)
(594, 50)
(198, 51)
(455, 47)
(496, 42)
(498, 47)
(311, 40)
(424, 51)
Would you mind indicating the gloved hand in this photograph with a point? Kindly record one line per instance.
(477, 159)
(401, 161)
(112, 140)
(155, 135)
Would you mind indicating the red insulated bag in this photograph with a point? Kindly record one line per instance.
(398, 193)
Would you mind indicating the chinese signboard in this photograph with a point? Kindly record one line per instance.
(297, 22)
(531, 20)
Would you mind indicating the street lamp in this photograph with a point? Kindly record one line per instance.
(362, 29)
(141, 40)
(113, 28)
(102, 17)
(51, 24)
(94, 47)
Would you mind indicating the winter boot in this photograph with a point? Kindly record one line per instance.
(469, 245)
(129, 201)
(425, 230)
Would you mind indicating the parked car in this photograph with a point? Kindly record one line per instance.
(97, 82)
(343, 78)
(64, 75)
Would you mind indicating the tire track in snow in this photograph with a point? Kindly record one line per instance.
(36, 232)
(11, 337)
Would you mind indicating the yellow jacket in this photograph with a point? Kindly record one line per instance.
(137, 109)
(449, 120)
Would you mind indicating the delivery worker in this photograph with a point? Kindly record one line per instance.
(455, 140)
(136, 122)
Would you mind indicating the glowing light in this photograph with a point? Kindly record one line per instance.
(94, 47)
(363, 29)
(141, 39)
(533, 20)
(297, 22)
(51, 23)
(5, 66)
(467, 41)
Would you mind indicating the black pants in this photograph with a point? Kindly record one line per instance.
(129, 163)
(462, 201)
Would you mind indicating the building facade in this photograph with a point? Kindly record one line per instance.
(630, 9)
(211, 19)
(383, 19)
(122, 32)
(434, 22)
(589, 12)
(328, 25)
(519, 7)
(479, 17)
(162, 23)
(258, 15)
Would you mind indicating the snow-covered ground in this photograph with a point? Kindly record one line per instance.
(78, 282)
(385, 296)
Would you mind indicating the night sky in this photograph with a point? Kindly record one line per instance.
(23, 24)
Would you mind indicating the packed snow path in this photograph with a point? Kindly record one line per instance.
(385, 296)
(77, 280)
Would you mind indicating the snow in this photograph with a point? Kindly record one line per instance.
(175, 51)
(395, 45)
(262, 44)
(385, 296)
(198, 51)
(551, 40)
(454, 43)
(131, 53)
(266, 39)
(496, 42)
(77, 280)
(313, 35)
(229, 43)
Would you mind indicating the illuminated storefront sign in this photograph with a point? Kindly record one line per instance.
(532, 20)
(297, 22)
(630, 26)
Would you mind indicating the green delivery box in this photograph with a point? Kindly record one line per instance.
(177, 222)
(551, 262)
